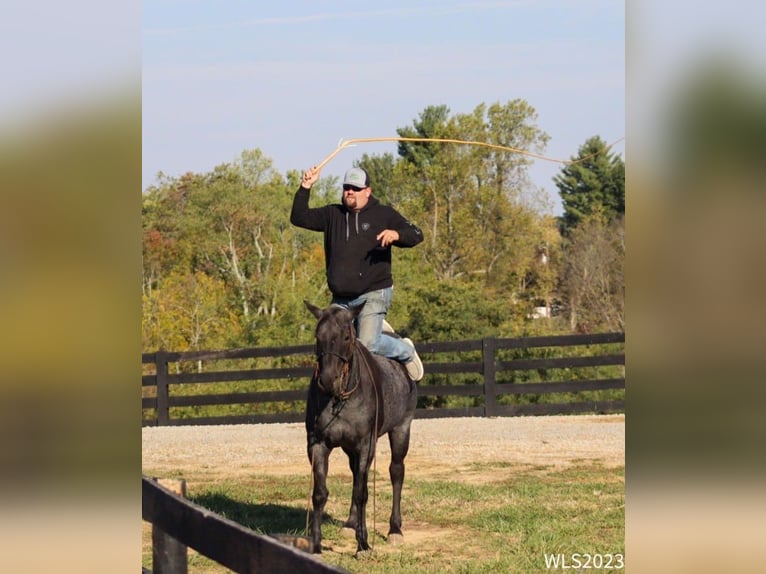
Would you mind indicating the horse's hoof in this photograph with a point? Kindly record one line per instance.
(347, 532)
(363, 554)
(303, 543)
(395, 539)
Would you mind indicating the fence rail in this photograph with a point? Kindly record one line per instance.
(178, 523)
(488, 373)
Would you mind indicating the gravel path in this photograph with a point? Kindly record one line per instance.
(437, 446)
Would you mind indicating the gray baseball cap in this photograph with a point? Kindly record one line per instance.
(357, 177)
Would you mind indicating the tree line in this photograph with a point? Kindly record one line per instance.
(223, 267)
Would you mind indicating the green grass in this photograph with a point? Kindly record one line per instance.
(502, 519)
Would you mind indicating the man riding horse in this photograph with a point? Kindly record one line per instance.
(358, 235)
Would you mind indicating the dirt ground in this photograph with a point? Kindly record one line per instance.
(437, 446)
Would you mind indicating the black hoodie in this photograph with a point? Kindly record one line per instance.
(355, 262)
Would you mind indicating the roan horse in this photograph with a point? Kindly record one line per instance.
(354, 398)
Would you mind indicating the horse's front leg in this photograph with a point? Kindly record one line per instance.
(359, 497)
(319, 456)
(353, 511)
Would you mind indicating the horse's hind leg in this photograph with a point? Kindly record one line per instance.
(399, 439)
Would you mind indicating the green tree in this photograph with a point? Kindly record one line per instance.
(455, 310)
(381, 171)
(593, 279)
(188, 312)
(595, 182)
(430, 124)
(541, 281)
(168, 243)
(472, 201)
(231, 224)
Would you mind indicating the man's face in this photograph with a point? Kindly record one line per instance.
(355, 198)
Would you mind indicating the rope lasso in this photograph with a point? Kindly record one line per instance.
(343, 144)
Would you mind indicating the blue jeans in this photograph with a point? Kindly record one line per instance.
(370, 323)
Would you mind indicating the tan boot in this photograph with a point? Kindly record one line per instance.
(415, 366)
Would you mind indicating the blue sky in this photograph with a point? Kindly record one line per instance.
(293, 78)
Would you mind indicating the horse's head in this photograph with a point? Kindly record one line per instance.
(335, 340)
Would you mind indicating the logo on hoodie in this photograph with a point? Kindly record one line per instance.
(365, 226)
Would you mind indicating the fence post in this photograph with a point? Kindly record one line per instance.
(488, 346)
(169, 556)
(163, 393)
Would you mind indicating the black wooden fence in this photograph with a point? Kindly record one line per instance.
(499, 377)
(178, 523)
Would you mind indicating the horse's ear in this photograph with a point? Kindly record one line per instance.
(316, 311)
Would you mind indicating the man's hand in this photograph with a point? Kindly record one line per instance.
(387, 237)
(310, 176)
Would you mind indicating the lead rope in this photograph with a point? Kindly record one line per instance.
(375, 469)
